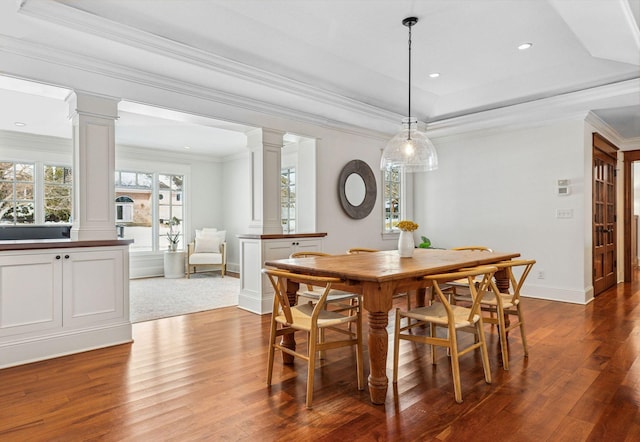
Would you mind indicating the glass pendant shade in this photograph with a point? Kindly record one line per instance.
(410, 150)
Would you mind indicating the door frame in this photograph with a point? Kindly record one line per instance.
(629, 157)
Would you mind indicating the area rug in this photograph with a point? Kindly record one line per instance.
(155, 298)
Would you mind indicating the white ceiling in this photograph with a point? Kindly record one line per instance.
(305, 54)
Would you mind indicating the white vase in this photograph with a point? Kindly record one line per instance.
(405, 244)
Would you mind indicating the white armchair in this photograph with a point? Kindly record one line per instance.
(209, 248)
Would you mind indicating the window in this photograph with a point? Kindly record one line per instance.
(134, 208)
(148, 206)
(57, 194)
(392, 198)
(288, 199)
(170, 208)
(17, 190)
(124, 209)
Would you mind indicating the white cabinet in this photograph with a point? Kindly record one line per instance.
(30, 293)
(280, 249)
(256, 293)
(62, 301)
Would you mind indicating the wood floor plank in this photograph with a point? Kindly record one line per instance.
(203, 377)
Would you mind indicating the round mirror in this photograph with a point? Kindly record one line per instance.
(357, 189)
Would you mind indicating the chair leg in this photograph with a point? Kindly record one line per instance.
(272, 341)
(321, 334)
(485, 353)
(521, 324)
(503, 338)
(359, 353)
(433, 347)
(311, 368)
(396, 346)
(455, 365)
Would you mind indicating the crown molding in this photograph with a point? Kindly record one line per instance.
(574, 105)
(69, 17)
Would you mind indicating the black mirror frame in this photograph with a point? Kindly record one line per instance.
(364, 171)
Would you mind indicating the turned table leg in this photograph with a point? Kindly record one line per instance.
(378, 347)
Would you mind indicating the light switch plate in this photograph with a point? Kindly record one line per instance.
(564, 213)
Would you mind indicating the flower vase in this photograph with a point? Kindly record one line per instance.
(173, 246)
(405, 244)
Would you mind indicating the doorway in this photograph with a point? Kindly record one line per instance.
(631, 210)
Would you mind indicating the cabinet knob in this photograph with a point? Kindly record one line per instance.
(66, 256)
(57, 256)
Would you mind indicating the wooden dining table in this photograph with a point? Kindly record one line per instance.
(378, 276)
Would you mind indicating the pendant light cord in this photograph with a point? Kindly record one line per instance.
(409, 110)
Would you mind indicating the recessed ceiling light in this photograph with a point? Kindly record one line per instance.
(524, 46)
(19, 124)
(434, 74)
(187, 147)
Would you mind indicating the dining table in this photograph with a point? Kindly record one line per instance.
(377, 276)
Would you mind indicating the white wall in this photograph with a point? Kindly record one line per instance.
(236, 200)
(498, 188)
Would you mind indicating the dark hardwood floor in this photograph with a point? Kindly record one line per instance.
(202, 377)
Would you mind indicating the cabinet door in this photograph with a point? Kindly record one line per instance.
(30, 293)
(93, 287)
(278, 249)
(308, 245)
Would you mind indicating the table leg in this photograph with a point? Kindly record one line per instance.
(289, 340)
(378, 300)
(421, 294)
(502, 282)
(378, 347)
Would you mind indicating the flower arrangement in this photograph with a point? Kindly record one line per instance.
(407, 226)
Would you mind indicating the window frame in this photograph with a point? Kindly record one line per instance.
(405, 194)
(287, 171)
(39, 193)
(158, 234)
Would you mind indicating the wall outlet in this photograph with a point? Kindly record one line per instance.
(540, 274)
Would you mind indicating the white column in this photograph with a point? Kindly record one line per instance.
(93, 166)
(265, 146)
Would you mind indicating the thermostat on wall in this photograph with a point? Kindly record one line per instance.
(563, 187)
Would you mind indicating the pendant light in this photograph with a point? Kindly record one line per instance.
(410, 149)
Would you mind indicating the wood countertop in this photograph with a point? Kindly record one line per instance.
(280, 235)
(65, 243)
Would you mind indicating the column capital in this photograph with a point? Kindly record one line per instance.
(92, 105)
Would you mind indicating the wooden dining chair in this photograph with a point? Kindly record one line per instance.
(454, 317)
(404, 295)
(339, 300)
(310, 319)
(310, 293)
(503, 304)
(459, 290)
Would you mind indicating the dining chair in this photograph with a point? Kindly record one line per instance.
(310, 319)
(459, 290)
(311, 293)
(405, 295)
(455, 318)
(338, 299)
(503, 304)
